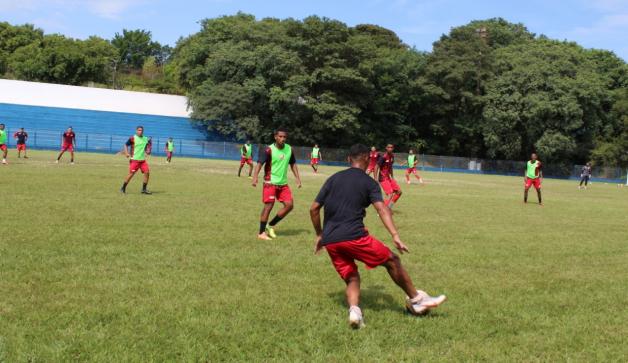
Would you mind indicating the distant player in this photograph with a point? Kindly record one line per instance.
(3, 144)
(373, 156)
(345, 197)
(140, 147)
(412, 162)
(384, 173)
(68, 143)
(315, 157)
(246, 157)
(21, 137)
(275, 159)
(533, 176)
(585, 175)
(169, 150)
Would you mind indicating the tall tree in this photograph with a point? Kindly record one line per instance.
(134, 46)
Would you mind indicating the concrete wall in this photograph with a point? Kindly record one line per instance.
(96, 99)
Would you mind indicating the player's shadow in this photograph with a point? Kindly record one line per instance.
(372, 298)
(293, 232)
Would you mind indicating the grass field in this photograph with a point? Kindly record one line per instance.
(88, 274)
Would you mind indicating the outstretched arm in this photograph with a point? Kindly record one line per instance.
(315, 216)
(386, 217)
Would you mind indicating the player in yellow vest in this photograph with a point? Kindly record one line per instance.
(169, 150)
(315, 157)
(140, 147)
(246, 157)
(533, 176)
(275, 159)
(412, 163)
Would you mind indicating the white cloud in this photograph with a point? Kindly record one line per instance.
(108, 9)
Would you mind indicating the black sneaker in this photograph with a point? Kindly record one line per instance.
(122, 190)
(146, 191)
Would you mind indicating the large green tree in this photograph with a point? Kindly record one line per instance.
(134, 46)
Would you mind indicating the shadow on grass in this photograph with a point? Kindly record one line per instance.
(293, 232)
(371, 298)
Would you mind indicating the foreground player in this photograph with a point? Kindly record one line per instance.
(533, 176)
(345, 197)
(68, 143)
(3, 144)
(140, 147)
(384, 173)
(373, 156)
(412, 162)
(585, 175)
(21, 137)
(315, 158)
(169, 150)
(246, 157)
(275, 159)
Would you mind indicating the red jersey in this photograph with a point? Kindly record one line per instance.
(373, 156)
(386, 162)
(68, 138)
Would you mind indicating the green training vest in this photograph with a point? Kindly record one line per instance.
(280, 159)
(3, 137)
(411, 159)
(249, 150)
(170, 145)
(139, 147)
(531, 170)
(315, 152)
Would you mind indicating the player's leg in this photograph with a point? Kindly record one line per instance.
(417, 176)
(312, 165)
(146, 179)
(5, 152)
(263, 220)
(250, 168)
(240, 169)
(408, 176)
(127, 180)
(352, 293)
(288, 206)
(586, 181)
(538, 194)
(72, 155)
(19, 152)
(24, 148)
(396, 193)
(61, 154)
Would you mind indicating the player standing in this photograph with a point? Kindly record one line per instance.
(68, 143)
(384, 173)
(21, 137)
(315, 157)
(3, 144)
(169, 150)
(345, 197)
(412, 162)
(275, 158)
(140, 147)
(585, 175)
(373, 156)
(246, 157)
(533, 176)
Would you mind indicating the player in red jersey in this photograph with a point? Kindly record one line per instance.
(68, 143)
(373, 156)
(384, 173)
(21, 137)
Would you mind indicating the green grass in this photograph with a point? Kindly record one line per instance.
(87, 274)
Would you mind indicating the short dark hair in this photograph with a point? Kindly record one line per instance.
(358, 150)
(281, 129)
(140, 127)
(1, 124)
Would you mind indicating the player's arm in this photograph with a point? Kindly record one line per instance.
(386, 217)
(74, 140)
(128, 143)
(295, 169)
(320, 156)
(378, 166)
(315, 216)
(263, 158)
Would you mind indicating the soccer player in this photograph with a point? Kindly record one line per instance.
(585, 175)
(169, 150)
(533, 176)
(68, 143)
(246, 153)
(373, 156)
(21, 137)
(315, 157)
(140, 147)
(275, 158)
(412, 162)
(3, 144)
(345, 197)
(384, 173)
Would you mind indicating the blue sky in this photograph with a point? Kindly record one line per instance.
(593, 23)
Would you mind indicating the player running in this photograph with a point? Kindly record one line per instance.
(315, 157)
(373, 156)
(275, 158)
(3, 144)
(533, 176)
(169, 150)
(384, 173)
(585, 175)
(412, 162)
(140, 147)
(246, 157)
(21, 137)
(68, 143)
(345, 197)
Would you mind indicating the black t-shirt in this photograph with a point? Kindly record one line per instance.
(21, 137)
(345, 197)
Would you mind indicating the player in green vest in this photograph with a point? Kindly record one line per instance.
(140, 147)
(169, 150)
(412, 161)
(275, 159)
(3, 143)
(533, 176)
(315, 158)
(246, 157)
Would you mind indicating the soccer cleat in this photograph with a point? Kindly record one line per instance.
(147, 192)
(423, 302)
(122, 190)
(263, 236)
(56, 161)
(356, 320)
(4, 161)
(270, 231)
(71, 162)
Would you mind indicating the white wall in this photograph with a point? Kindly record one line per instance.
(86, 98)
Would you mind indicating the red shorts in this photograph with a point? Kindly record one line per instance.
(245, 160)
(272, 193)
(411, 171)
(370, 168)
(136, 165)
(168, 154)
(367, 249)
(530, 182)
(3, 147)
(390, 186)
(67, 147)
(21, 147)
(314, 161)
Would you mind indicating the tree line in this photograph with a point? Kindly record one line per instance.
(488, 89)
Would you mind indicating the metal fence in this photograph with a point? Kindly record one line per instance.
(47, 139)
